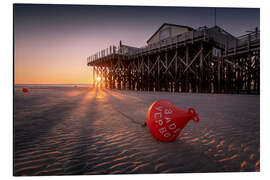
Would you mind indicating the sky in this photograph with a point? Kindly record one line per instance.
(52, 42)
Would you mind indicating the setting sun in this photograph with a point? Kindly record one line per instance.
(98, 78)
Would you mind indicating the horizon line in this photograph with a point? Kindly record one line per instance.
(52, 84)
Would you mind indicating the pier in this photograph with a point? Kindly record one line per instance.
(203, 60)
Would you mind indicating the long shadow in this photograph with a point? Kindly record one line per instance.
(76, 155)
(81, 157)
(38, 126)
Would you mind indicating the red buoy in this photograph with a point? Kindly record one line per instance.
(165, 121)
(25, 90)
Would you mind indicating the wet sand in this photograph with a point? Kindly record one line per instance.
(68, 130)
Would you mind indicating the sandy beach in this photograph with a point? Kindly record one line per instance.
(82, 130)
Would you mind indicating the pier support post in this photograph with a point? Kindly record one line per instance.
(94, 76)
(200, 88)
(218, 74)
(158, 74)
(176, 75)
(186, 84)
(166, 83)
(249, 72)
(129, 79)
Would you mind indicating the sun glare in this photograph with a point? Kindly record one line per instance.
(98, 78)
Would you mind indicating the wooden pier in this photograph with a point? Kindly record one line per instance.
(206, 60)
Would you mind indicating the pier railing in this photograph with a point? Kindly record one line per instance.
(117, 50)
(216, 35)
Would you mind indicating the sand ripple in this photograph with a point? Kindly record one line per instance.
(88, 131)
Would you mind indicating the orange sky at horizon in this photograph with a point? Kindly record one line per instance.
(49, 73)
(47, 60)
(57, 70)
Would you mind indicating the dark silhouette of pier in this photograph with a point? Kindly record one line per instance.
(205, 60)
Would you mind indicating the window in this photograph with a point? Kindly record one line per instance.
(164, 34)
(216, 52)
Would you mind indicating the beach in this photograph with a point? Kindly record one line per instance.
(84, 130)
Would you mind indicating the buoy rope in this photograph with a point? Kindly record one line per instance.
(130, 118)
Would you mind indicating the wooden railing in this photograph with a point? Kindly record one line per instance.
(215, 34)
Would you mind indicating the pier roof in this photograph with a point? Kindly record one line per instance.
(168, 24)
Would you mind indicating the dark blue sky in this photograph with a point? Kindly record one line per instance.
(58, 17)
